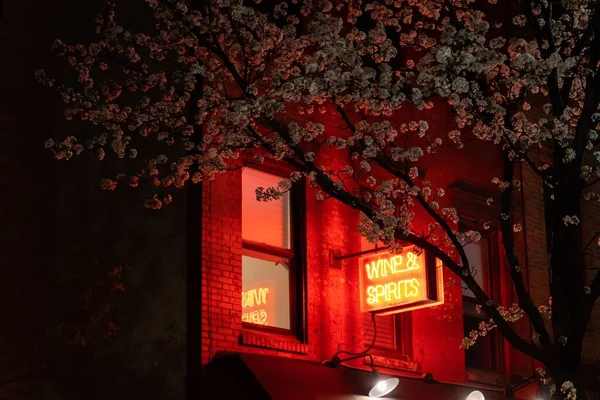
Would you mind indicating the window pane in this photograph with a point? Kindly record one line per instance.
(386, 331)
(265, 290)
(265, 222)
(477, 253)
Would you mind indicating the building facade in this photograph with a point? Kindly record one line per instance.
(282, 278)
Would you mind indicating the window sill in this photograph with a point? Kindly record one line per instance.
(273, 341)
(397, 362)
(487, 377)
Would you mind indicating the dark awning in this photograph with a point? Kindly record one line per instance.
(251, 376)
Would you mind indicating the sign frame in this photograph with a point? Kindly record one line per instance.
(434, 285)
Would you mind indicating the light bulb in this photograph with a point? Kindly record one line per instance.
(384, 387)
(476, 395)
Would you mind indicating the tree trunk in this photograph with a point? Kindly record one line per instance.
(567, 279)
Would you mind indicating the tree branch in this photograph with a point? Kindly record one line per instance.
(545, 177)
(461, 271)
(326, 184)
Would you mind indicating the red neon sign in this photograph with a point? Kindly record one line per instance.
(391, 283)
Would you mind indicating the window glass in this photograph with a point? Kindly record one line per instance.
(266, 291)
(483, 355)
(477, 254)
(267, 253)
(266, 222)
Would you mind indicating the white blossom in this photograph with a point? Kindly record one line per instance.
(571, 220)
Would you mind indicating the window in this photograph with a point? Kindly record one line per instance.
(483, 255)
(393, 331)
(272, 278)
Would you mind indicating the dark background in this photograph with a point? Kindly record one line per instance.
(67, 331)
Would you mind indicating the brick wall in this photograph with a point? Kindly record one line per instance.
(537, 261)
(537, 254)
(221, 264)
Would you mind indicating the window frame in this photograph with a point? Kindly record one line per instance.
(296, 254)
(402, 337)
(492, 286)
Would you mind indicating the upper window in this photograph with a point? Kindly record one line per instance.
(483, 259)
(270, 260)
(478, 255)
(264, 222)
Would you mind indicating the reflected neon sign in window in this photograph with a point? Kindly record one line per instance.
(258, 303)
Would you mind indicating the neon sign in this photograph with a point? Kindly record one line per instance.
(258, 304)
(395, 283)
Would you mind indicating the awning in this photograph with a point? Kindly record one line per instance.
(251, 376)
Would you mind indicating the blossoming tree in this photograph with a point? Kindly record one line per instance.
(221, 78)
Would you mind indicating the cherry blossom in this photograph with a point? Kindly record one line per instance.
(211, 90)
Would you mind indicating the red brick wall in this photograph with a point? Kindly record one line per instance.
(221, 264)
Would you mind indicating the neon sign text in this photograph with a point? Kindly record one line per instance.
(391, 283)
(393, 291)
(391, 266)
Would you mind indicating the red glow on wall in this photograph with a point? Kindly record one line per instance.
(392, 283)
